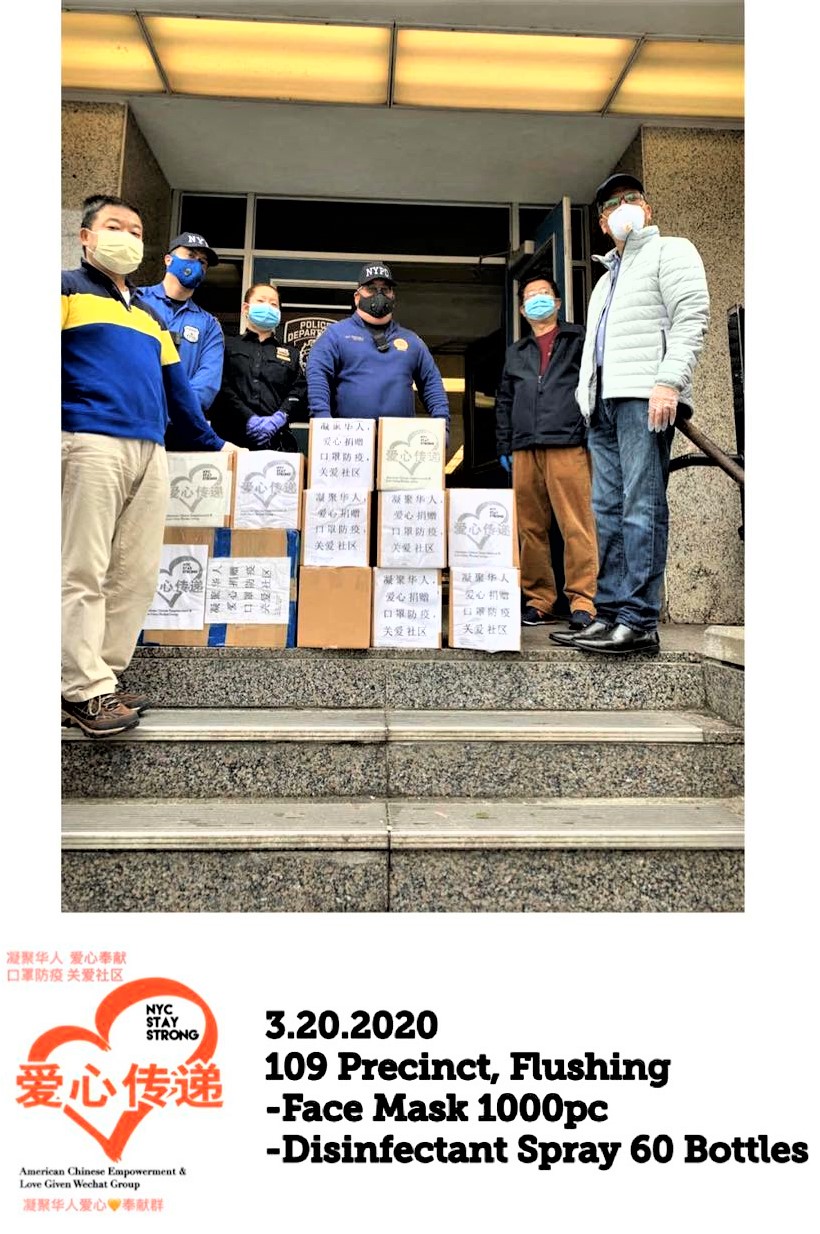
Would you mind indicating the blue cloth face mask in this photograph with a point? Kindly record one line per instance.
(188, 270)
(540, 307)
(264, 316)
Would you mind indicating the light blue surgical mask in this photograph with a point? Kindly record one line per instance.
(264, 316)
(539, 307)
(188, 270)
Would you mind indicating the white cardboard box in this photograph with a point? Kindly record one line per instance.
(406, 608)
(412, 530)
(268, 490)
(482, 527)
(412, 453)
(336, 528)
(200, 489)
(341, 453)
(485, 609)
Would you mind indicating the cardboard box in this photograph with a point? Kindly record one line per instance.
(412, 453)
(485, 609)
(482, 527)
(412, 530)
(268, 490)
(341, 453)
(223, 543)
(201, 486)
(336, 528)
(335, 606)
(406, 608)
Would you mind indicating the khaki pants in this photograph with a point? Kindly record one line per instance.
(557, 479)
(115, 499)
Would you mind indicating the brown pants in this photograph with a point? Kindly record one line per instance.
(556, 480)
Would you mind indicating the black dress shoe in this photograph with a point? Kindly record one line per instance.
(567, 637)
(619, 641)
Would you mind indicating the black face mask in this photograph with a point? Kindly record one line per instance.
(377, 305)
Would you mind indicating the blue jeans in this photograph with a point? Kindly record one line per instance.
(630, 467)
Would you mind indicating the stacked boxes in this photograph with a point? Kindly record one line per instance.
(228, 570)
(411, 540)
(335, 578)
(228, 575)
(485, 592)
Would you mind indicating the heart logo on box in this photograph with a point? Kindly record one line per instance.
(490, 519)
(114, 1205)
(420, 447)
(182, 576)
(266, 488)
(184, 488)
(109, 1010)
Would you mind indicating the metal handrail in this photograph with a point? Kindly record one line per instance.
(711, 455)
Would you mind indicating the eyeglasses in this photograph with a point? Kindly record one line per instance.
(631, 197)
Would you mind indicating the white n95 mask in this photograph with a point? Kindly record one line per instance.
(625, 219)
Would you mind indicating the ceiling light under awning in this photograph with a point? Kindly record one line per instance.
(683, 79)
(273, 60)
(508, 72)
(106, 51)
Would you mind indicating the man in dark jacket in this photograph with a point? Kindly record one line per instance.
(539, 424)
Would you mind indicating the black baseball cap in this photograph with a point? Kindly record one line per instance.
(619, 181)
(193, 240)
(375, 270)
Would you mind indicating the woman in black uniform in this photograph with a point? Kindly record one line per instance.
(262, 381)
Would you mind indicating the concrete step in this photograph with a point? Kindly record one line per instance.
(372, 753)
(543, 675)
(523, 855)
(204, 825)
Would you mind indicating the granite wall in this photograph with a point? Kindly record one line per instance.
(104, 151)
(694, 180)
(144, 184)
(92, 147)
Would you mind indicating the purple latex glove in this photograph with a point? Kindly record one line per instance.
(261, 430)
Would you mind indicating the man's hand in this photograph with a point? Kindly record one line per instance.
(663, 404)
(230, 448)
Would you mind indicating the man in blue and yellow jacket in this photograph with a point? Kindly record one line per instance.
(122, 379)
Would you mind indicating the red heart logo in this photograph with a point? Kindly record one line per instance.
(112, 1006)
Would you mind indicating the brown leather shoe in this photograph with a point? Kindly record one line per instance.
(102, 716)
(135, 702)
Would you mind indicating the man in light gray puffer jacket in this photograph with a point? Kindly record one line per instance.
(645, 326)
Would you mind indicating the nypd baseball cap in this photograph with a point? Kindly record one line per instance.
(619, 181)
(193, 240)
(375, 270)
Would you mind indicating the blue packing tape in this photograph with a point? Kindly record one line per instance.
(218, 632)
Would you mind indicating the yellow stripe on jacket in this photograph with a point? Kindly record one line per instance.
(82, 309)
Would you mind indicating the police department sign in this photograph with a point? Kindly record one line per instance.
(302, 333)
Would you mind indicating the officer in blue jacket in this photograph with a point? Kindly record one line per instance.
(364, 366)
(196, 333)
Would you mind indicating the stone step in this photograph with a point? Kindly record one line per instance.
(372, 753)
(543, 675)
(251, 824)
(440, 855)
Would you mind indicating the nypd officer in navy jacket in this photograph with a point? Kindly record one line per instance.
(365, 365)
(196, 333)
